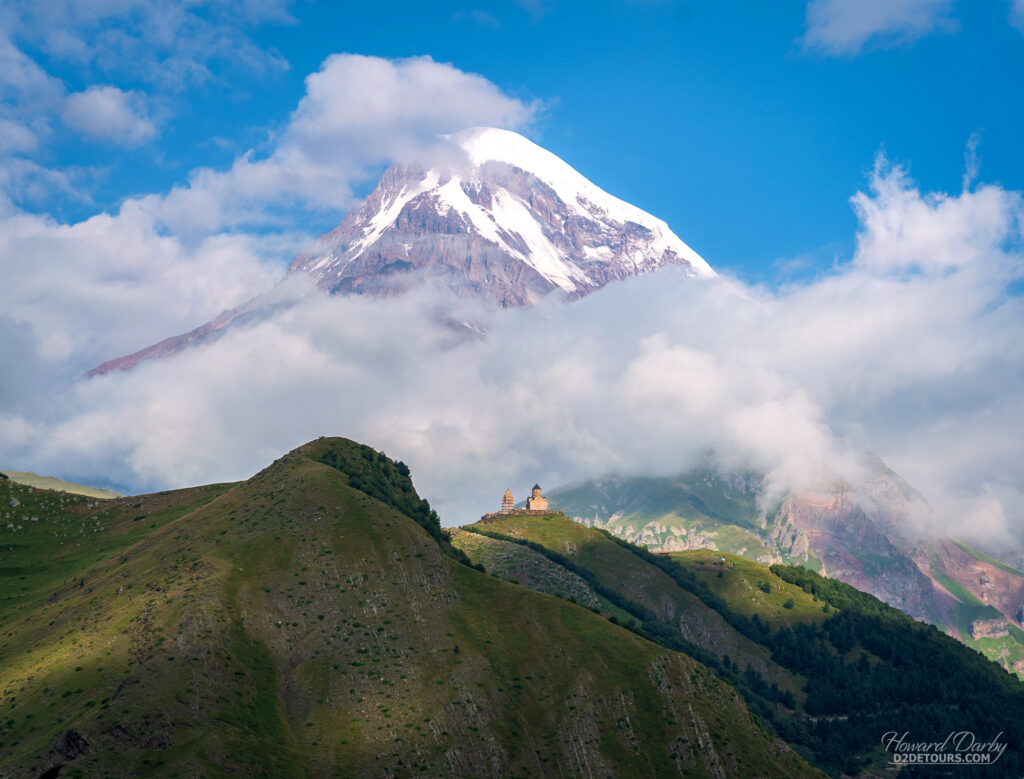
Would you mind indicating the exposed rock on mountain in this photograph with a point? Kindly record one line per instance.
(989, 628)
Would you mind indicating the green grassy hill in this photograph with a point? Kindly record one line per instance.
(314, 621)
(828, 667)
(749, 588)
(648, 596)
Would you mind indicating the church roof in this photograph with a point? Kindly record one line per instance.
(508, 494)
(536, 486)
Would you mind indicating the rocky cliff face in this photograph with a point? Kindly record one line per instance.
(990, 582)
(996, 627)
(850, 538)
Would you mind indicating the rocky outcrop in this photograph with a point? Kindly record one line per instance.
(991, 583)
(995, 627)
(865, 534)
(521, 565)
(834, 526)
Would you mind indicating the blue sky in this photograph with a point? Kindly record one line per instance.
(730, 121)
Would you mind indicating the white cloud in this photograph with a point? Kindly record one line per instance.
(16, 137)
(111, 285)
(27, 97)
(477, 16)
(913, 348)
(163, 42)
(358, 113)
(901, 230)
(844, 27)
(23, 82)
(1017, 14)
(24, 181)
(106, 113)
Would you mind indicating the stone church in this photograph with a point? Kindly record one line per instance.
(535, 504)
(536, 501)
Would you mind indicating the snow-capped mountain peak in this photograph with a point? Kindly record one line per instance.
(501, 219)
(513, 223)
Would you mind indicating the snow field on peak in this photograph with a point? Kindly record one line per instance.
(512, 217)
(488, 144)
(509, 221)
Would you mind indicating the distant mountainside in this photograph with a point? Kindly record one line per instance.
(861, 535)
(51, 483)
(314, 621)
(828, 667)
(501, 220)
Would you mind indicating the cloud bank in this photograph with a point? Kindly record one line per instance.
(844, 27)
(358, 113)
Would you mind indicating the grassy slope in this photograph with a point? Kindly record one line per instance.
(620, 570)
(978, 555)
(529, 568)
(742, 585)
(49, 539)
(865, 670)
(292, 626)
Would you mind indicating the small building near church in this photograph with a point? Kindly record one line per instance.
(508, 503)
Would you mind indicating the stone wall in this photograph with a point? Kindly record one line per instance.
(498, 515)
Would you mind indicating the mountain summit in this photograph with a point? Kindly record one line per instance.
(500, 219)
(510, 222)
